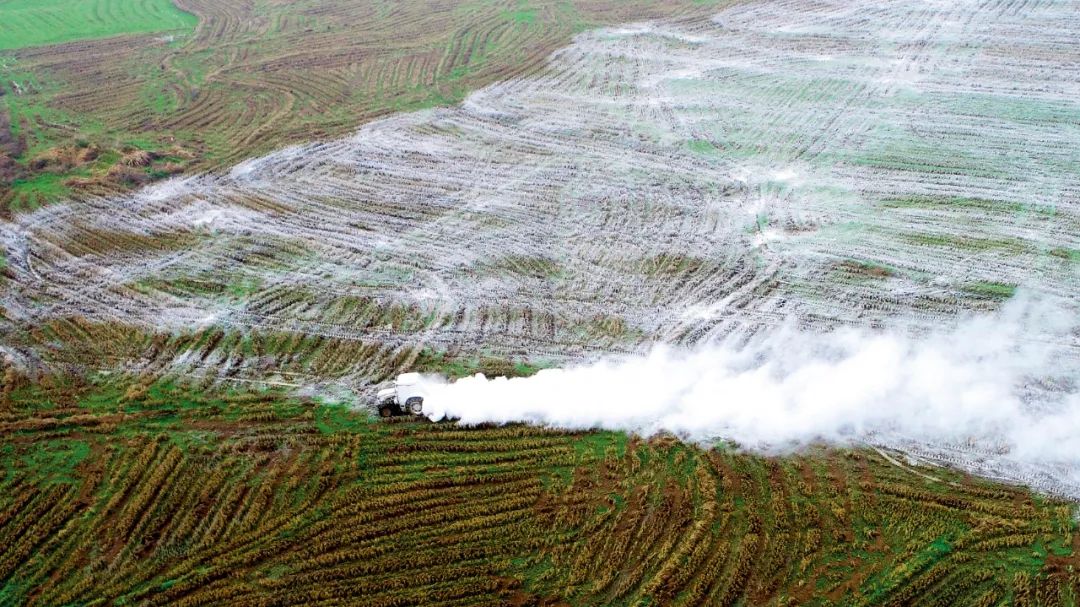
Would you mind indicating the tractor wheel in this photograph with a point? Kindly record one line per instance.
(385, 411)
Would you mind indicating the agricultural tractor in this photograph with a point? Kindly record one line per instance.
(402, 397)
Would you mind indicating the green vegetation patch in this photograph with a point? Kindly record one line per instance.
(967, 243)
(701, 146)
(525, 16)
(1066, 254)
(41, 186)
(967, 203)
(331, 419)
(992, 290)
(25, 23)
(49, 462)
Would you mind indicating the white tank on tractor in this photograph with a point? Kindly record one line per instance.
(402, 397)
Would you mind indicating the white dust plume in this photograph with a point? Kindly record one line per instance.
(996, 381)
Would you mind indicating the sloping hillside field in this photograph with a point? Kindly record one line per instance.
(874, 165)
(790, 258)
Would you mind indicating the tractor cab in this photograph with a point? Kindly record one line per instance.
(402, 397)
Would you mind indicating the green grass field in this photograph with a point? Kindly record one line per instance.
(26, 23)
